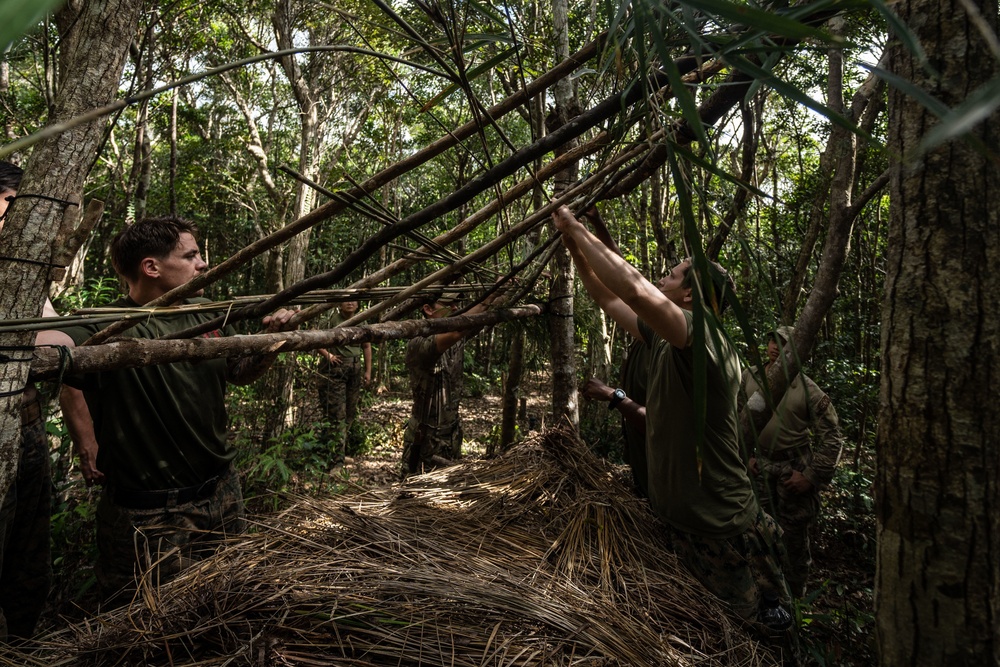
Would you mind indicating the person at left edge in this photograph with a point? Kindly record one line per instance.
(155, 436)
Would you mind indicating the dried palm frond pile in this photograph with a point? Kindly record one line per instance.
(540, 557)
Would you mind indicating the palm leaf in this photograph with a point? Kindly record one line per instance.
(19, 16)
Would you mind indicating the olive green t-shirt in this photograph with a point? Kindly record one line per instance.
(698, 488)
(332, 321)
(634, 378)
(159, 427)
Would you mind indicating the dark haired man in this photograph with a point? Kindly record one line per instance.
(155, 436)
(698, 485)
(25, 561)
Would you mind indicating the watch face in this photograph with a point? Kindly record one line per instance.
(619, 394)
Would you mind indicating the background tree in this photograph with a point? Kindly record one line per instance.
(95, 38)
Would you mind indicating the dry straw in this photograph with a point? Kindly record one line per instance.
(540, 557)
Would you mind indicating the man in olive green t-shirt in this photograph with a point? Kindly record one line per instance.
(698, 482)
(155, 436)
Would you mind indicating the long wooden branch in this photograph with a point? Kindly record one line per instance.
(494, 246)
(388, 174)
(571, 130)
(133, 352)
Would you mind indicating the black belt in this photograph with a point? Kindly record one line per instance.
(151, 500)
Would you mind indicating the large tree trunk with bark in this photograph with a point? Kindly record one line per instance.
(96, 39)
(938, 485)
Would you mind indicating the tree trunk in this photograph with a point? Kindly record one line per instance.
(565, 402)
(937, 589)
(511, 390)
(97, 36)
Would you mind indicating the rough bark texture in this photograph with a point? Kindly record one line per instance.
(92, 55)
(131, 352)
(939, 555)
(565, 402)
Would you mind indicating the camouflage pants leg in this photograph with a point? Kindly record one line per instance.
(339, 389)
(795, 513)
(438, 441)
(143, 548)
(27, 561)
(739, 570)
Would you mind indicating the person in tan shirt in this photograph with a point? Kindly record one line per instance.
(794, 459)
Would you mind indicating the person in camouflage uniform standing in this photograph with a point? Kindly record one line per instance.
(433, 435)
(155, 436)
(796, 454)
(341, 378)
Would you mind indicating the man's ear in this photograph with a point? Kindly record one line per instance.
(427, 310)
(688, 298)
(149, 267)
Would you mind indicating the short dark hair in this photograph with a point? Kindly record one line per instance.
(717, 292)
(150, 237)
(10, 176)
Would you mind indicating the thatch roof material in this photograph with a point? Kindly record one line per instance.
(540, 557)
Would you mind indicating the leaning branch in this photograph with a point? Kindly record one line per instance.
(347, 197)
(133, 352)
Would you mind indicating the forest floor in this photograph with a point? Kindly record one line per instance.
(836, 614)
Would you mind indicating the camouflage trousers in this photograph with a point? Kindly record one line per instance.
(794, 512)
(143, 548)
(440, 442)
(24, 535)
(339, 390)
(739, 570)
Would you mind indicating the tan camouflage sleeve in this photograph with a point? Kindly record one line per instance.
(828, 442)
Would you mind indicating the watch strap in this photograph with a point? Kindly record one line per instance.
(616, 398)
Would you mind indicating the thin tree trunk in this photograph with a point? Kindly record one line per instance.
(565, 401)
(511, 390)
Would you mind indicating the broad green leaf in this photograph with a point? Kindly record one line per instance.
(19, 16)
(931, 103)
(471, 75)
(759, 19)
(976, 108)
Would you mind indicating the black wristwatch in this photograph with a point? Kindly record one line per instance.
(617, 397)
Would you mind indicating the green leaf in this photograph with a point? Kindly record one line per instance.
(19, 16)
(759, 19)
(931, 103)
(471, 75)
(902, 32)
(682, 93)
(976, 108)
(792, 92)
